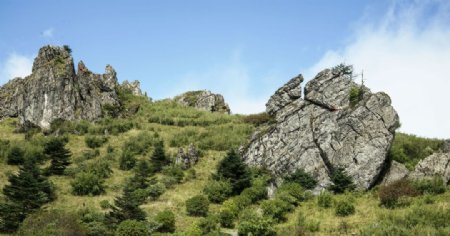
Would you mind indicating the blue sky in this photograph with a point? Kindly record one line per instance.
(244, 50)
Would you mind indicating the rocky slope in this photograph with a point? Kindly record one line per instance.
(338, 124)
(204, 100)
(55, 91)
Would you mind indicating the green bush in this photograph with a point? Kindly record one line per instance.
(251, 223)
(325, 199)
(255, 193)
(166, 219)
(390, 194)
(15, 156)
(174, 171)
(46, 223)
(356, 95)
(302, 178)
(226, 218)
(434, 185)
(341, 181)
(218, 191)
(292, 189)
(95, 141)
(344, 208)
(86, 183)
(209, 225)
(197, 206)
(93, 222)
(156, 190)
(276, 209)
(104, 204)
(132, 228)
(127, 160)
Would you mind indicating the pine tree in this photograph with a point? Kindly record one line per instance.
(126, 207)
(58, 154)
(140, 178)
(159, 158)
(233, 169)
(27, 191)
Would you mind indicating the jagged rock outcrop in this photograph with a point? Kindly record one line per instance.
(437, 164)
(134, 87)
(54, 91)
(203, 100)
(188, 158)
(325, 130)
(396, 171)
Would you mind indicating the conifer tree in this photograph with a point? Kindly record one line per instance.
(233, 169)
(58, 154)
(140, 178)
(126, 207)
(159, 158)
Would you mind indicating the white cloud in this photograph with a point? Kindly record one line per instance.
(407, 55)
(48, 33)
(232, 80)
(15, 66)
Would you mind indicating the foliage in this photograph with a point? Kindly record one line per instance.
(232, 168)
(159, 158)
(67, 49)
(356, 95)
(276, 209)
(344, 208)
(94, 222)
(342, 68)
(325, 199)
(341, 181)
(390, 194)
(100, 167)
(293, 190)
(217, 190)
(434, 185)
(126, 207)
(47, 223)
(167, 221)
(226, 218)
(15, 156)
(173, 171)
(209, 225)
(58, 154)
(303, 178)
(258, 119)
(410, 149)
(156, 190)
(127, 160)
(197, 206)
(87, 183)
(95, 141)
(132, 228)
(251, 223)
(140, 143)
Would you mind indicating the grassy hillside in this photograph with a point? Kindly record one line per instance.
(295, 211)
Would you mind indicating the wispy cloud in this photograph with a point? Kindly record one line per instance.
(15, 65)
(231, 79)
(406, 54)
(48, 33)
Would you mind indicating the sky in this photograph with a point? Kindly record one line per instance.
(245, 50)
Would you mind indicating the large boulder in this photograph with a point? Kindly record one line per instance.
(339, 124)
(394, 172)
(204, 100)
(437, 164)
(54, 91)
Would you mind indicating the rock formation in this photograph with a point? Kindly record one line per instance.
(338, 123)
(395, 171)
(203, 100)
(437, 164)
(54, 91)
(134, 87)
(188, 158)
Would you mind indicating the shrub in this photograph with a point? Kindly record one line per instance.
(390, 194)
(167, 221)
(95, 141)
(255, 193)
(341, 181)
(325, 199)
(132, 227)
(127, 160)
(90, 154)
(226, 218)
(104, 204)
(293, 189)
(218, 191)
(344, 208)
(174, 171)
(53, 222)
(93, 222)
(169, 181)
(86, 183)
(251, 223)
(434, 185)
(209, 225)
(197, 206)
(67, 49)
(276, 209)
(356, 94)
(15, 156)
(302, 178)
(258, 119)
(156, 190)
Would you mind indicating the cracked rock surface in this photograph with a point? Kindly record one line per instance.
(324, 131)
(204, 100)
(437, 164)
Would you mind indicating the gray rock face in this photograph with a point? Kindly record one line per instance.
(324, 131)
(395, 172)
(134, 87)
(203, 100)
(446, 146)
(54, 91)
(188, 158)
(435, 164)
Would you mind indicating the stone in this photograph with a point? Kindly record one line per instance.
(396, 171)
(446, 146)
(437, 164)
(134, 87)
(204, 100)
(54, 91)
(324, 131)
(186, 159)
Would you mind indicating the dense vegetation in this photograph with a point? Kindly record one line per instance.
(118, 177)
